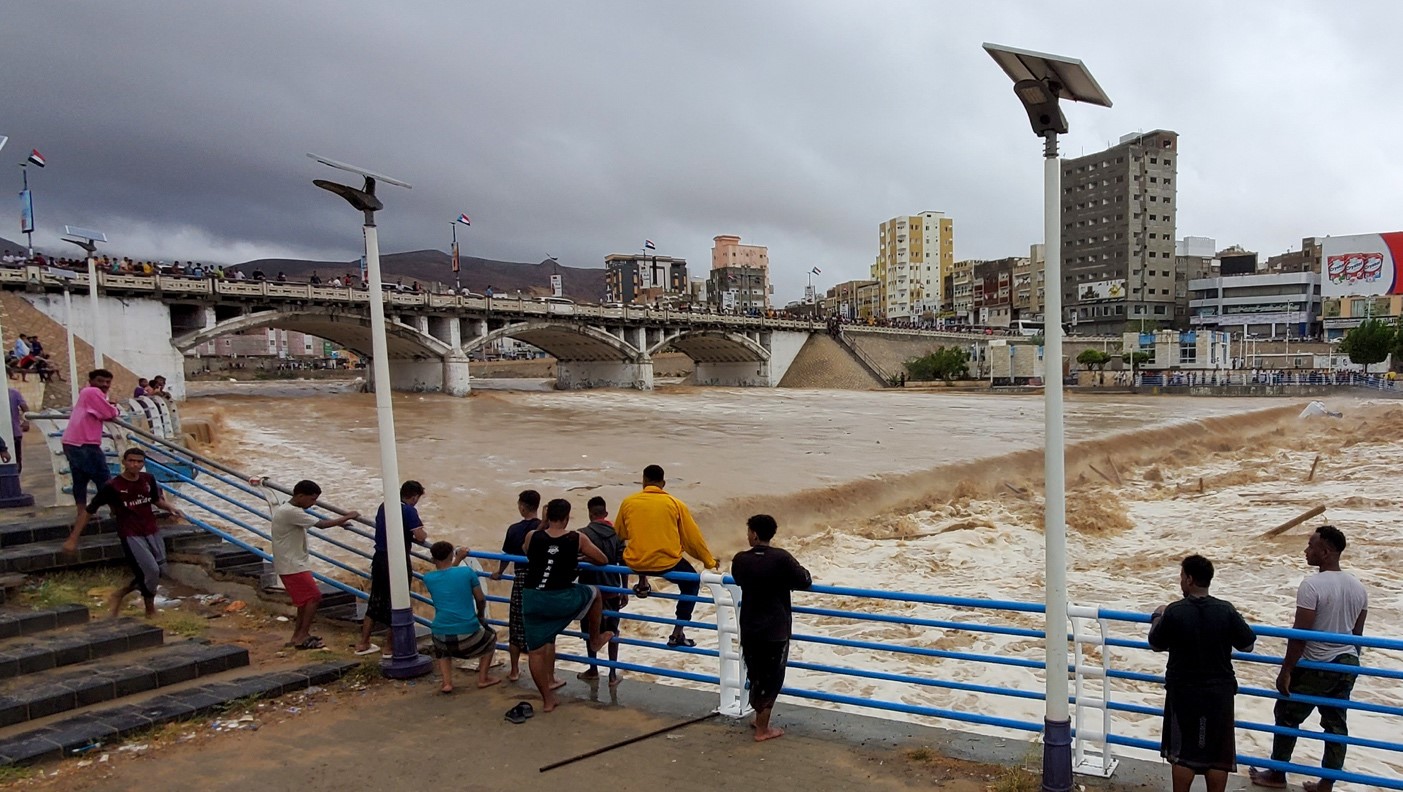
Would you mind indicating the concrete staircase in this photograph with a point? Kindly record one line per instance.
(69, 683)
(18, 316)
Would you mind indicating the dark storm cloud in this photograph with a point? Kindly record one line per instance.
(580, 129)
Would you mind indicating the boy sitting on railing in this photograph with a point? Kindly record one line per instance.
(766, 575)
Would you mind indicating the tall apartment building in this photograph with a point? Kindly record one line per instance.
(636, 278)
(1029, 287)
(994, 290)
(962, 291)
(1307, 259)
(1119, 215)
(740, 275)
(914, 254)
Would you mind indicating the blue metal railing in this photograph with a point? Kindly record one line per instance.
(239, 522)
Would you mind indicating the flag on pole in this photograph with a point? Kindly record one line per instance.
(463, 218)
(455, 255)
(36, 158)
(817, 271)
(648, 245)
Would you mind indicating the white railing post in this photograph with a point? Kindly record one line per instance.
(735, 702)
(1091, 745)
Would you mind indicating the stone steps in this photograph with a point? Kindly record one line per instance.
(93, 727)
(49, 529)
(31, 653)
(45, 693)
(47, 555)
(23, 621)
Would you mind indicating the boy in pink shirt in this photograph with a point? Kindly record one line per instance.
(82, 438)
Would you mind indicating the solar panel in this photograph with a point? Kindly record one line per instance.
(362, 171)
(1076, 82)
(84, 233)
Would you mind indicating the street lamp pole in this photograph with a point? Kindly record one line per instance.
(1040, 81)
(406, 662)
(87, 240)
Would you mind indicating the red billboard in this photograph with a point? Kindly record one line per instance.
(1362, 265)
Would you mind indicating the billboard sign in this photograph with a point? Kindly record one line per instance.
(1361, 265)
(1101, 290)
(557, 286)
(26, 212)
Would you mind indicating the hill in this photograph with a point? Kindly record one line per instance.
(429, 266)
(8, 246)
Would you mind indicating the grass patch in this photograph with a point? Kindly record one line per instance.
(240, 706)
(367, 673)
(1017, 779)
(186, 625)
(87, 587)
(12, 773)
(923, 755)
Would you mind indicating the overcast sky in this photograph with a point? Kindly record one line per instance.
(581, 128)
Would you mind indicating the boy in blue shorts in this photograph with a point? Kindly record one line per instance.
(460, 631)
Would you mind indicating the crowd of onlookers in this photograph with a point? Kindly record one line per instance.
(27, 357)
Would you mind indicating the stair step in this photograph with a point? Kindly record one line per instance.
(92, 549)
(48, 530)
(45, 693)
(22, 621)
(28, 654)
(89, 728)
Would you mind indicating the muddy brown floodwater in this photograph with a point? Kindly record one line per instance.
(914, 491)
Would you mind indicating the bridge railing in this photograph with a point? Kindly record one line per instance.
(928, 657)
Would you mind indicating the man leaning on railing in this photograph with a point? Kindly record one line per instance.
(1331, 601)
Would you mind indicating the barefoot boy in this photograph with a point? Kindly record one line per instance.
(130, 496)
(459, 629)
(766, 575)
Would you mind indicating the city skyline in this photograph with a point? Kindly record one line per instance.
(182, 131)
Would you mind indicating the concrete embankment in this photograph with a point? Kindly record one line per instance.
(825, 363)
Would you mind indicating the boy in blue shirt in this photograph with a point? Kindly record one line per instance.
(459, 630)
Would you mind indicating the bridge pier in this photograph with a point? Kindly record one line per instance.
(583, 374)
(745, 374)
(456, 381)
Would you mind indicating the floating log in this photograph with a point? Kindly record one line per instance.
(1015, 490)
(1311, 477)
(1115, 470)
(1295, 521)
(1108, 479)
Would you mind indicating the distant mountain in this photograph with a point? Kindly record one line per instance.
(583, 284)
(7, 247)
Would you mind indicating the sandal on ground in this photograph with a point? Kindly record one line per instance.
(520, 712)
(675, 641)
(1265, 778)
(369, 650)
(641, 589)
(311, 642)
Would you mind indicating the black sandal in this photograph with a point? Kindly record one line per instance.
(520, 713)
(641, 589)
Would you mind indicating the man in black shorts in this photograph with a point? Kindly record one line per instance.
(601, 532)
(377, 607)
(766, 575)
(1199, 632)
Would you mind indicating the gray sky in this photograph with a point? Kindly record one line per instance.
(581, 128)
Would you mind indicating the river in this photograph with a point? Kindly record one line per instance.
(923, 491)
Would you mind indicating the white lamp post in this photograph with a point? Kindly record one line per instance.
(10, 493)
(406, 662)
(1040, 80)
(87, 239)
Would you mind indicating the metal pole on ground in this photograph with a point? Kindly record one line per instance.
(406, 662)
(1040, 81)
(96, 307)
(11, 494)
(72, 348)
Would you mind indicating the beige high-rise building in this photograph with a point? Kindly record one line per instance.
(915, 253)
(962, 291)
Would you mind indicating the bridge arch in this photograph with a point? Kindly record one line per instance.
(563, 341)
(350, 329)
(713, 346)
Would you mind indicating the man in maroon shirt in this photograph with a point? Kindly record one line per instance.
(130, 496)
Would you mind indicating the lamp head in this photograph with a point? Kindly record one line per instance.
(363, 200)
(1039, 98)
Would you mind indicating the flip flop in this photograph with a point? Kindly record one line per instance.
(675, 641)
(311, 642)
(519, 713)
(641, 589)
(369, 650)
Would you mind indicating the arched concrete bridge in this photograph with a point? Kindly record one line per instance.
(150, 322)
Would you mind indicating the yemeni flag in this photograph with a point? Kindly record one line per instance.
(648, 245)
(463, 218)
(36, 158)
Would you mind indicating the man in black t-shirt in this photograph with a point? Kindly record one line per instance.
(528, 503)
(1199, 632)
(766, 575)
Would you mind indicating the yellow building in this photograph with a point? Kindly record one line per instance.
(915, 254)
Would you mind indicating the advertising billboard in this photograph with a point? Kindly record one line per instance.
(1361, 265)
(1101, 290)
(26, 212)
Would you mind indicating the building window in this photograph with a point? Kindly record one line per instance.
(1188, 352)
(1159, 309)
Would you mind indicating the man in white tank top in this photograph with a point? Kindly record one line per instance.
(1330, 601)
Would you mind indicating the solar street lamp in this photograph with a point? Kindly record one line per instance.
(406, 662)
(87, 239)
(1041, 81)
